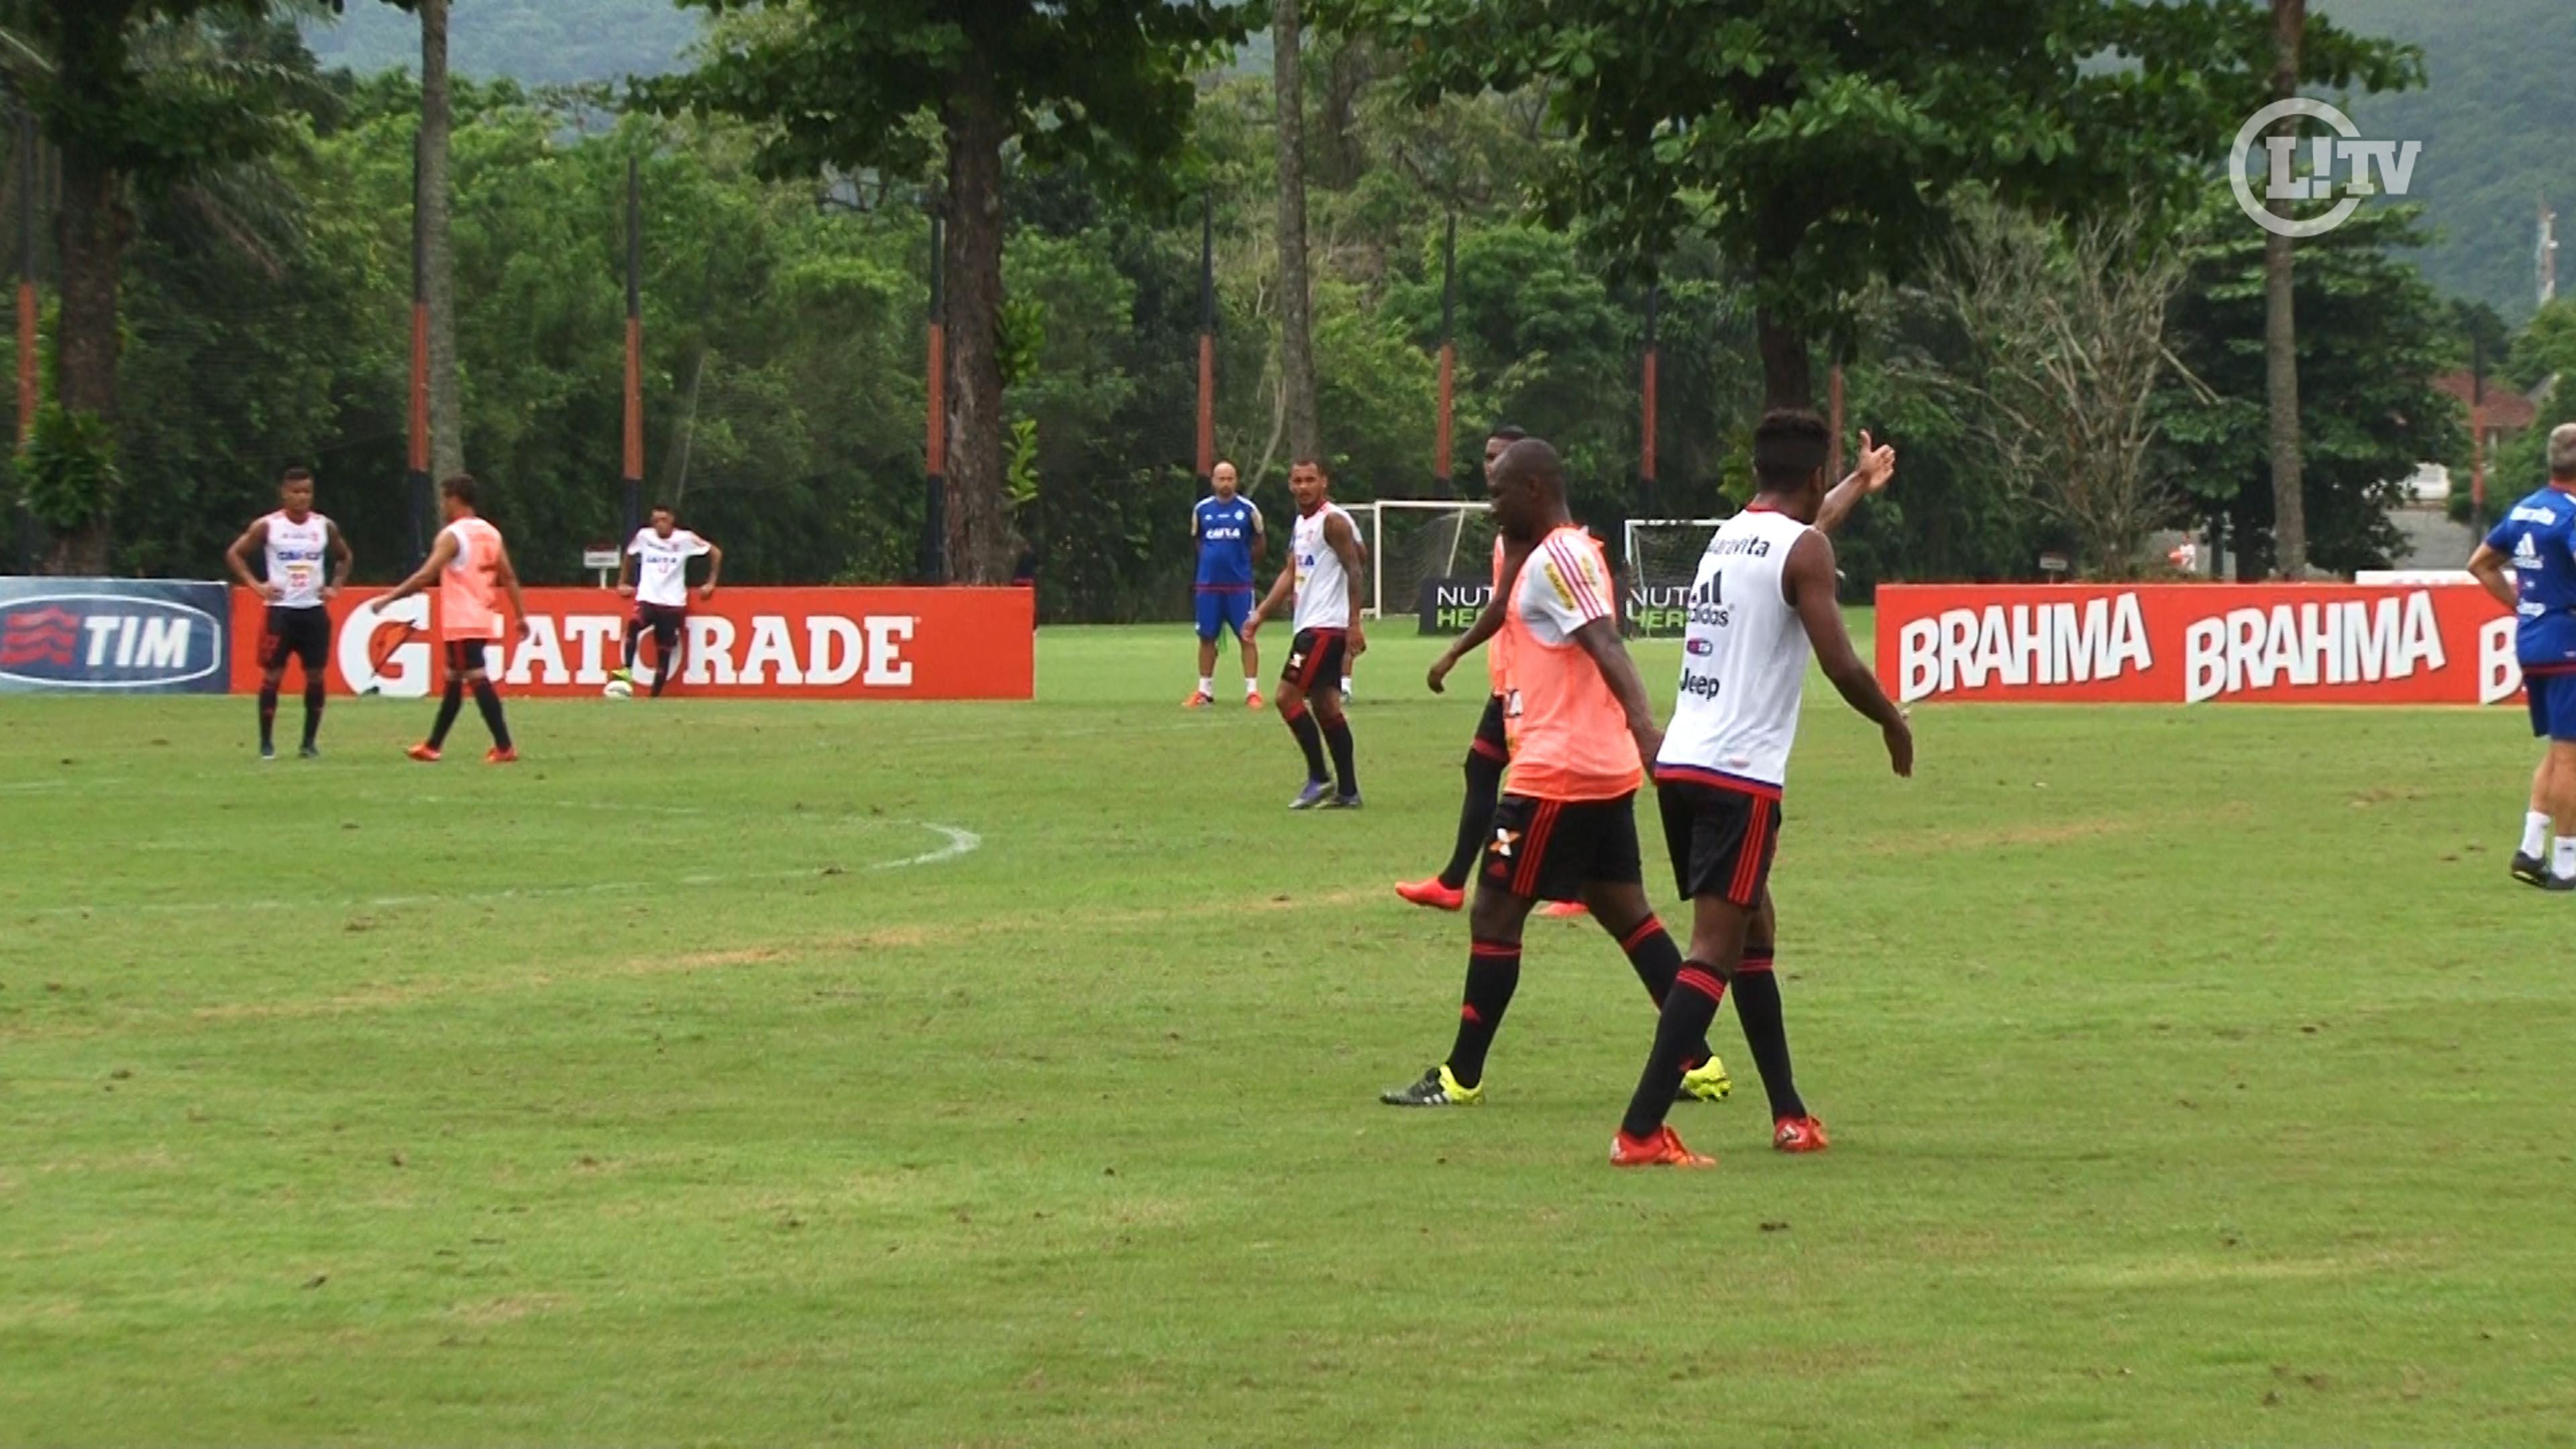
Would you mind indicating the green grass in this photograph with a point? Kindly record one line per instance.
(2196, 1076)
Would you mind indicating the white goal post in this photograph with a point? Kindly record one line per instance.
(1663, 561)
(1412, 539)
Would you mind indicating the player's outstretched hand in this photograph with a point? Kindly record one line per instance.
(1877, 465)
(1250, 627)
(1439, 674)
(1355, 643)
(626, 591)
(1900, 748)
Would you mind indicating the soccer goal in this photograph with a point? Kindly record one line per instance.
(1663, 561)
(1413, 539)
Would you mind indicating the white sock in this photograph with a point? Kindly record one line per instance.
(1346, 686)
(1251, 686)
(1207, 685)
(2562, 857)
(2535, 832)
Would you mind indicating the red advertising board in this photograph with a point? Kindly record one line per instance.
(2190, 643)
(773, 643)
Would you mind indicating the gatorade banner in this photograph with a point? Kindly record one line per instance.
(2195, 643)
(1450, 606)
(112, 636)
(822, 643)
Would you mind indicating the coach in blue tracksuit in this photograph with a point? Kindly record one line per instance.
(1227, 531)
(2536, 544)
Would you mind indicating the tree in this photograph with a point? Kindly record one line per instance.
(2065, 354)
(1824, 143)
(438, 246)
(2374, 337)
(1106, 81)
(1296, 291)
(115, 121)
(2280, 323)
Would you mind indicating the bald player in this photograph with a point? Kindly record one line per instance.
(1580, 731)
(1228, 532)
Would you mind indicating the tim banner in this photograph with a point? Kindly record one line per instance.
(2190, 643)
(114, 636)
(821, 643)
(1450, 606)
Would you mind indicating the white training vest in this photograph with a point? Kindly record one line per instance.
(298, 559)
(662, 565)
(1744, 658)
(1323, 585)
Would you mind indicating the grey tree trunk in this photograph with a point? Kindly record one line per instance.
(982, 548)
(1788, 372)
(1296, 325)
(438, 250)
(2281, 331)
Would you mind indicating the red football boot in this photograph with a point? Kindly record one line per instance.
(1664, 1149)
(1432, 893)
(424, 752)
(1564, 910)
(1798, 1134)
(499, 755)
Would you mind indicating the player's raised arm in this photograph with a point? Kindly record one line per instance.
(1344, 541)
(2489, 564)
(715, 567)
(1869, 477)
(344, 560)
(237, 557)
(441, 554)
(1809, 582)
(1489, 619)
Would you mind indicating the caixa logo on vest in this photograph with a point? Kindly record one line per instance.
(111, 634)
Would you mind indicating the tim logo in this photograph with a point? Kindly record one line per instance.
(106, 641)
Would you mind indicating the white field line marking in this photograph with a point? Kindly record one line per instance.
(960, 842)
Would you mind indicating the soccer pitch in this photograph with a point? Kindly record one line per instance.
(736, 1073)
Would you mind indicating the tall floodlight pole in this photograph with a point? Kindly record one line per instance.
(1448, 351)
(631, 490)
(934, 528)
(416, 475)
(1646, 382)
(1207, 340)
(27, 398)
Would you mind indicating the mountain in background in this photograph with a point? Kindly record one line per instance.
(536, 41)
(2497, 136)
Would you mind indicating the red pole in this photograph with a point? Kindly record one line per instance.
(938, 446)
(26, 359)
(1207, 405)
(1448, 381)
(1834, 426)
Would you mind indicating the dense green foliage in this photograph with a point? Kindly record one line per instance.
(617, 1098)
(2492, 117)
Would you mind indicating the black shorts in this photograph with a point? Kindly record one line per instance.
(302, 634)
(463, 654)
(1721, 840)
(1491, 741)
(1545, 850)
(665, 620)
(1315, 660)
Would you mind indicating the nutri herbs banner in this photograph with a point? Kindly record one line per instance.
(2190, 643)
(131, 636)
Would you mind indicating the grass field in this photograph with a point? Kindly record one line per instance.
(2195, 1076)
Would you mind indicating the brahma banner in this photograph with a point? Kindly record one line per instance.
(774, 643)
(123, 636)
(2189, 643)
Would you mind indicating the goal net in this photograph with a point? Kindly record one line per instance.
(1663, 562)
(1411, 541)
